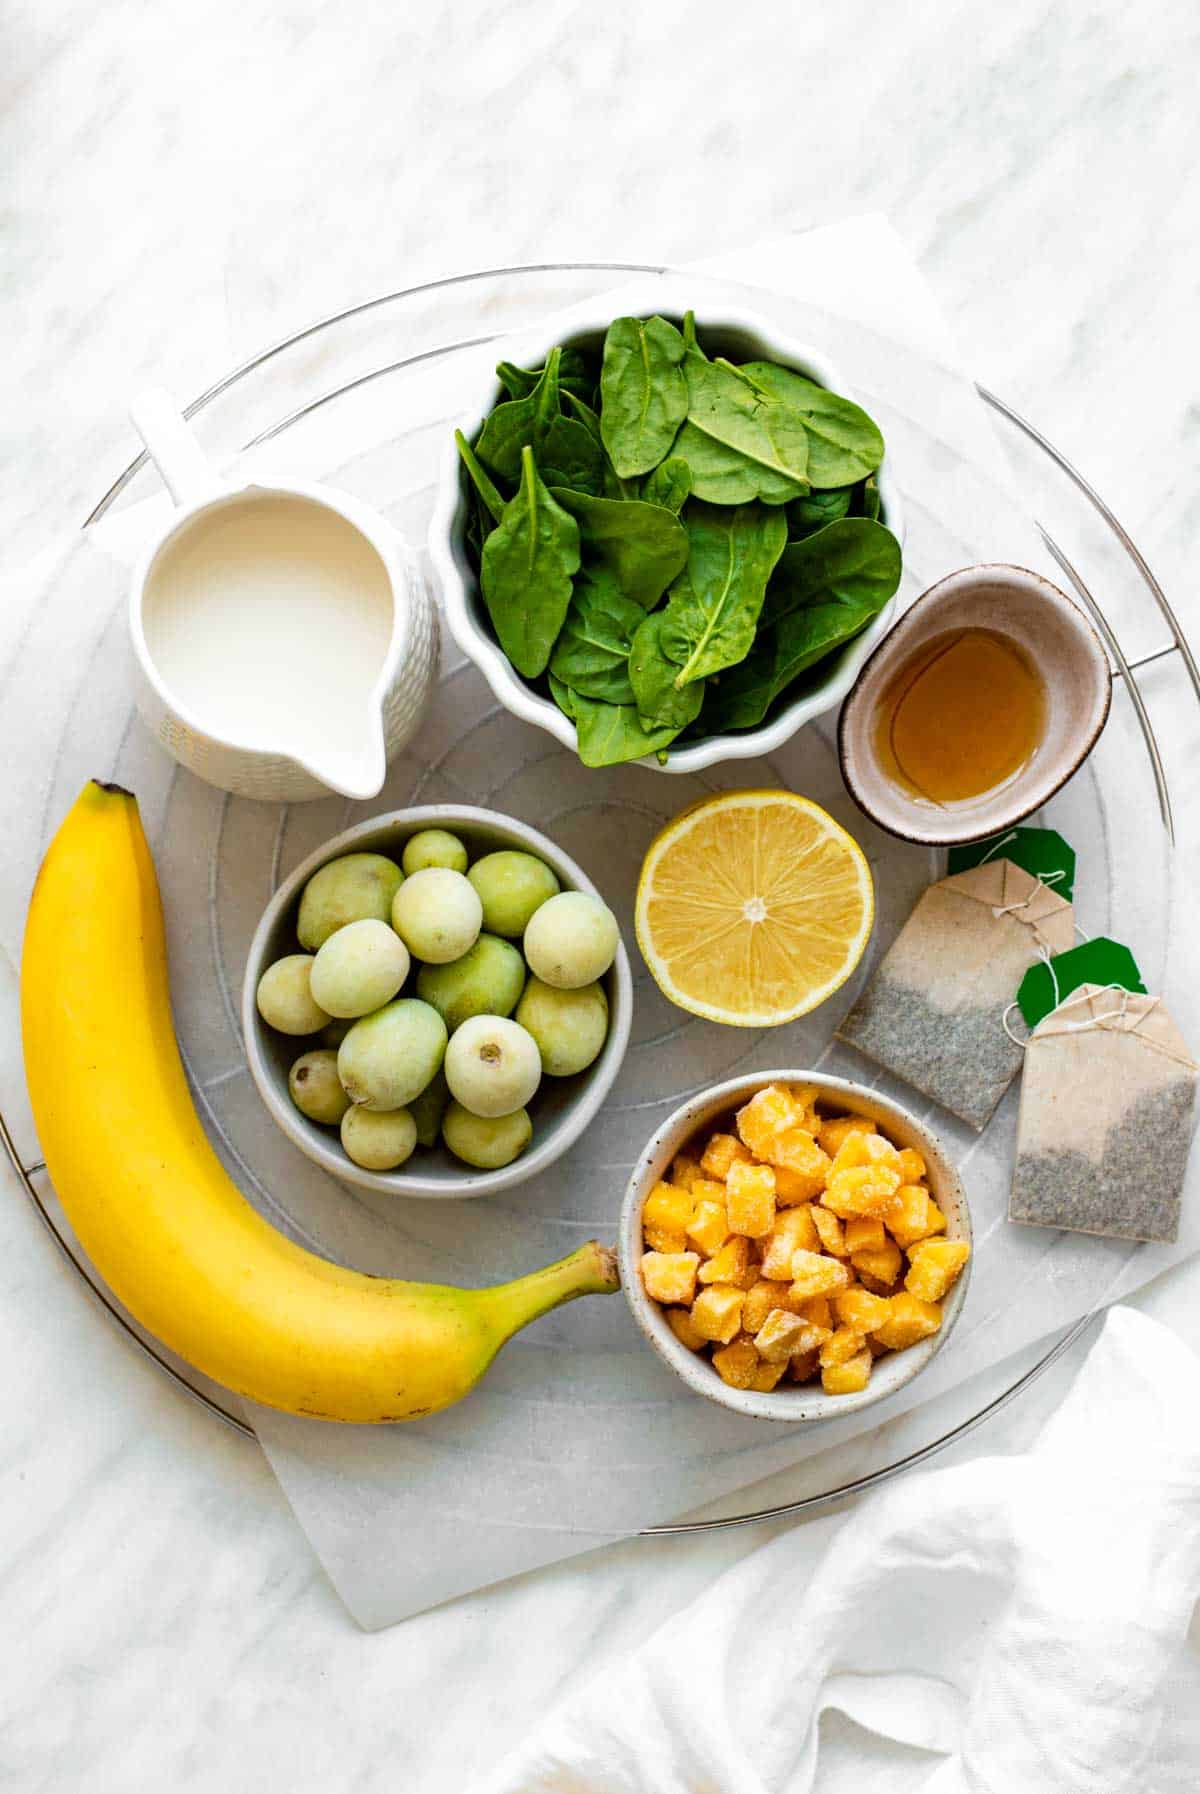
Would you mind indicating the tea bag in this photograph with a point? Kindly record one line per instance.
(1106, 1118)
(933, 1011)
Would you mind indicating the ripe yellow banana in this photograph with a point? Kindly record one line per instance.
(153, 1208)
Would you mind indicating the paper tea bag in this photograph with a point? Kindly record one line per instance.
(933, 1012)
(1106, 1118)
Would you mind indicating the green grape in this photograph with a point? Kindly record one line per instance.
(378, 1142)
(316, 1089)
(511, 886)
(486, 1144)
(433, 847)
(389, 1057)
(359, 968)
(428, 1108)
(487, 980)
(437, 914)
(492, 1065)
(570, 1026)
(571, 940)
(358, 886)
(284, 996)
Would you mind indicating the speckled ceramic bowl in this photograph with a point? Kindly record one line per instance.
(1044, 623)
(790, 1402)
(562, 1108)
(740, 334)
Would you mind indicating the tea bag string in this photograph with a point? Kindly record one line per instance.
(1012, 909)
(1090, 1021)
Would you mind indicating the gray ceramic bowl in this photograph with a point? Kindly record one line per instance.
(1015, 603)
(797, 1401)
(562, 1107)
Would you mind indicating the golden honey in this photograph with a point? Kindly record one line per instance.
(962, 716)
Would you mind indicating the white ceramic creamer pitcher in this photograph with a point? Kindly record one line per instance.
(284, 635)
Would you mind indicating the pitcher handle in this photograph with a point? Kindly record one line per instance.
(187, 472)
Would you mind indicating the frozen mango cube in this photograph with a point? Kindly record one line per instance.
(815, 1275)
(793, 1186)
(908, 1218)
(859, 1309)
(684, 1328)
(796, 1150)
(848, 1378)
(937, 1220)
(803, 1366)
(793, 1229)
(732, 1264)
(766, 1377)
(685, 1171)
(708, 1228)
(829, 1231)
(909, 1319)
(750, 1199)
(722, 1151)
(861, 1190)
(910, 1165)
(811, 1338)
(933, 1267)
(761, 1298)
(806, 1097)
(779, 1336)
(767, 1113)
(717, 1312)
(880, 1262)
(862, 1232)
(817, 1310)
(736, 1363)
(670, 1276)
(841, 1346)
(833, 1131)
(665, 1215)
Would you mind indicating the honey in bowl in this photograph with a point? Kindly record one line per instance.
(964, 714)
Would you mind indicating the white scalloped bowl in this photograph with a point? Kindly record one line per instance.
(733, 332)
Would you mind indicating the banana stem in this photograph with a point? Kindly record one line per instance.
(590, 1271)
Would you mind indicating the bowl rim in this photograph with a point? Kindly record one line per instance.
(321, 1145)
(644, 297)
(1023, 805)
(801, 1404)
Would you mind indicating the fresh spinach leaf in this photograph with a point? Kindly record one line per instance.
(866, 502)
(592, 651)
(807, 515)
(610, 734)
(518, 424)
(661, 702)
(853, 560)
(669, 485)
(844, 444)
(562, 696)
(712, 609)
(643, 545)
(643, 394)
(528, 563)
(582, 412)
(487, 491)
(574, 376)
(568, 455)
(742, 697)
(738, 443)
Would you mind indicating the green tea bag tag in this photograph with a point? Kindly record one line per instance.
(1041, 852)
(1101, 962)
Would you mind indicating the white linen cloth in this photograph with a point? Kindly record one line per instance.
(1021, 1619)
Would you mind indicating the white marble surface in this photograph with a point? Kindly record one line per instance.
(182, 186)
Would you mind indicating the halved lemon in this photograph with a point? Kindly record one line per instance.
(753, 907)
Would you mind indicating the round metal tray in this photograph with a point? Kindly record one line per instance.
(315, 397)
